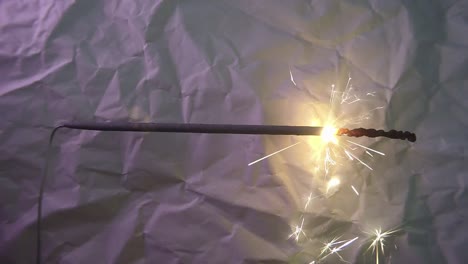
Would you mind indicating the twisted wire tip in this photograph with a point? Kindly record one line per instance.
(365, 132)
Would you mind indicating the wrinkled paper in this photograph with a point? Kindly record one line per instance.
(191, 198)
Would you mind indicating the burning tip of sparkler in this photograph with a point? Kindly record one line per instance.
(329, 134)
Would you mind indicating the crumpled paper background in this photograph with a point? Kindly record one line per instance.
(173, 198)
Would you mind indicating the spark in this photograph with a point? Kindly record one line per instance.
(328, 134)
(356, 120)
(332, 248)
(364, 147)
(274, 153)
(309, 199)
(328, 161)
(328, 246)
(345, 94)
(352, 157)
(292, 78)
(377, 108)
(334, 153)
(356, 99)
(332, 95)
(352, 148)
(378, 241)
(354, 189)
(349, 155)
(333, 182)
(298, 231)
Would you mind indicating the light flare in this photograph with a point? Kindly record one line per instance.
(292, 77)
(351, 156)
(332, 183)
(298, 231)
(335, 246)
(378, 239)
(355, 191)
(274, 153)
(309, 199)
(329, 134)
(328, 161)
(367, 148)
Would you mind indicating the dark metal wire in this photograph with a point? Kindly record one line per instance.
(198, 128)
(41, 194)
(370, 132)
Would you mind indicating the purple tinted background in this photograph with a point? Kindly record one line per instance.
(145, 198)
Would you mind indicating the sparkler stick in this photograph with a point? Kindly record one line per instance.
(211, 129)
(236, 129)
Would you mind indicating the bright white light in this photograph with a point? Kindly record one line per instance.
(355, 191)
(292, 77)
(378, 238)
(333, 182)
(329, 134)
(298, 231)
(334, 247)
(274, 153)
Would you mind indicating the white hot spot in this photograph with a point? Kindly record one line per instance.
(329, 134)
(332, 183)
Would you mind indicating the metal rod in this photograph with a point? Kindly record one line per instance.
(197, 128)
(236, 129)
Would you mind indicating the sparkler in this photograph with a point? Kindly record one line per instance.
(234, 129)
(328, 134)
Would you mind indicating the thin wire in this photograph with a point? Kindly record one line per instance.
(41, 195)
